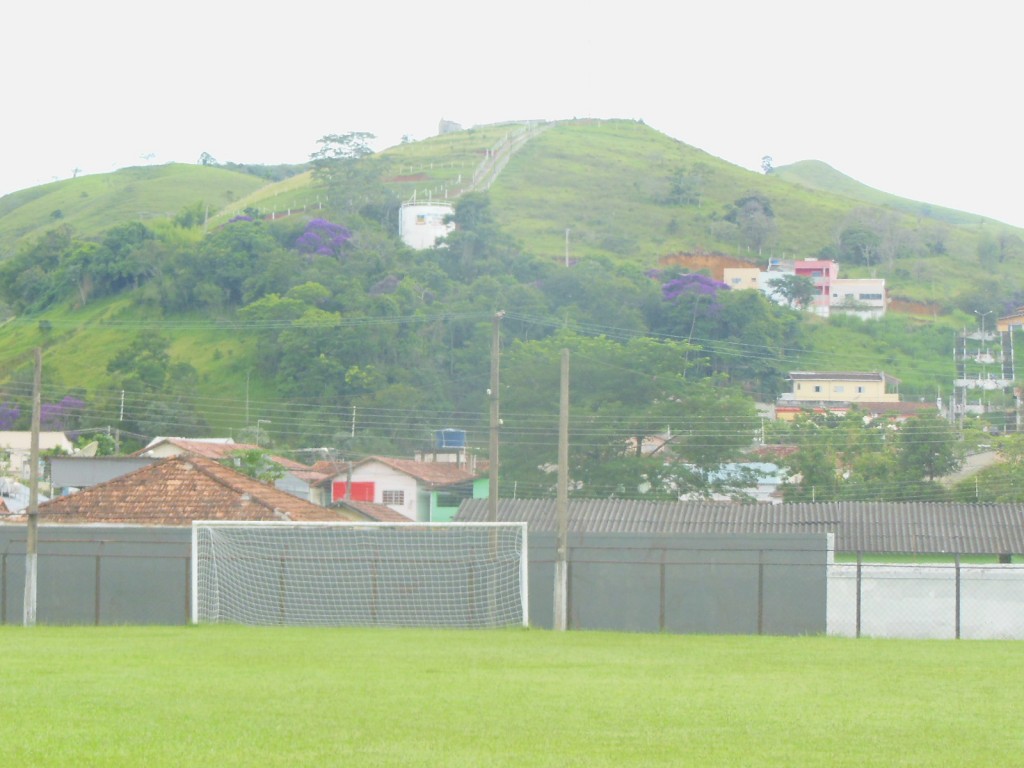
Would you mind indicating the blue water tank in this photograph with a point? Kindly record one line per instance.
(450, 438)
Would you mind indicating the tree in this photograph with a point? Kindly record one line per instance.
(342, 146)
(754, 217)
(928, 447)
(627, 399)
(797, 291)
(254, 463)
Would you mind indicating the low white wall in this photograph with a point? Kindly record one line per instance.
(920, 601)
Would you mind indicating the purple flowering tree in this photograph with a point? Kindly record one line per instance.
(9, 413)
(323, 238)
(692, 284)
(59, 417)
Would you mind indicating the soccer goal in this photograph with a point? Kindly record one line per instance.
(469, 575)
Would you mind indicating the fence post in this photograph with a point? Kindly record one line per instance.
(96, 604)
(661, 589)
(188, 590)
(760, 591)
(860, 573)
(956, 606)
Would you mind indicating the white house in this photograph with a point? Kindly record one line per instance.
(860, 296)
(16, 448)
(420, 490)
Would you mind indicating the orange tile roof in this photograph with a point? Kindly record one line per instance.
(435, 474)
(379, 512)
(218, 450)
(178, 490)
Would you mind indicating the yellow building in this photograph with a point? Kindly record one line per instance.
(739, 278)
(842, 386)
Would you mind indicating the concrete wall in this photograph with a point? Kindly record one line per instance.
(99, 574)
(738, 584)
(772, 584)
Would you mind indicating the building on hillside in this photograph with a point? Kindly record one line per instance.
(843, 386)
(821, 272)
(863, 297)
(422, 224)
(742, 278)
(837, 392)
(1013, 320)
(16, 449)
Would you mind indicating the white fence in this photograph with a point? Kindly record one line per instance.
(926, 601)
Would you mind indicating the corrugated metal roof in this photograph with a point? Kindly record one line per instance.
(896, 527)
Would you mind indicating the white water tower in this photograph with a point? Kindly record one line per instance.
(421, 224)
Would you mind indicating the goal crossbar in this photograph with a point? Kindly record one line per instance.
(360, 573)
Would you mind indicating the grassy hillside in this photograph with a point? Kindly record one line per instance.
(608, 182)
(613, 185)
(822, 177)
(91, 204)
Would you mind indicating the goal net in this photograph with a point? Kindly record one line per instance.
(469, 575)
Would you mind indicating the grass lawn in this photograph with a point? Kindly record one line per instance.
(226, 696)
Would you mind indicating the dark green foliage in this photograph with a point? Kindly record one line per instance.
(846, 458)
(623, 396)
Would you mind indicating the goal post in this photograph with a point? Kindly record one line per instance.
(366, 574)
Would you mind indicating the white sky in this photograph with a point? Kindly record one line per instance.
(913, 98)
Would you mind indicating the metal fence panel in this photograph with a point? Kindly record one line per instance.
(951, 600)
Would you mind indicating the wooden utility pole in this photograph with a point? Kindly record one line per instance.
(562, 504)
(493, 447)
(32, 538)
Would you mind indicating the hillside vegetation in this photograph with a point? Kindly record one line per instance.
(200, 299)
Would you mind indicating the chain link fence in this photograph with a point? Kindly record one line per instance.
(913, 600)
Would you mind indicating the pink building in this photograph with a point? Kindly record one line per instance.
(821, 272)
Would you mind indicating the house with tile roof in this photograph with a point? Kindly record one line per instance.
(419, 489)
(297, 478)
(216, 449)
(180, 489)
(874, 392)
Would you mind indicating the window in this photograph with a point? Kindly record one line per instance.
(871, 297)
(817, 387)
(860, 390)
(839, 388)
(393, 497)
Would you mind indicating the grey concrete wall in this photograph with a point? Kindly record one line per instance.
(99, 575)
(770, 584)
(697, 583)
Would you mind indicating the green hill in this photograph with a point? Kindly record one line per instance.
(91, 204)
(822, 177)
(615, 198)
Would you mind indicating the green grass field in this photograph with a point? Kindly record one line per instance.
(227, 696)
